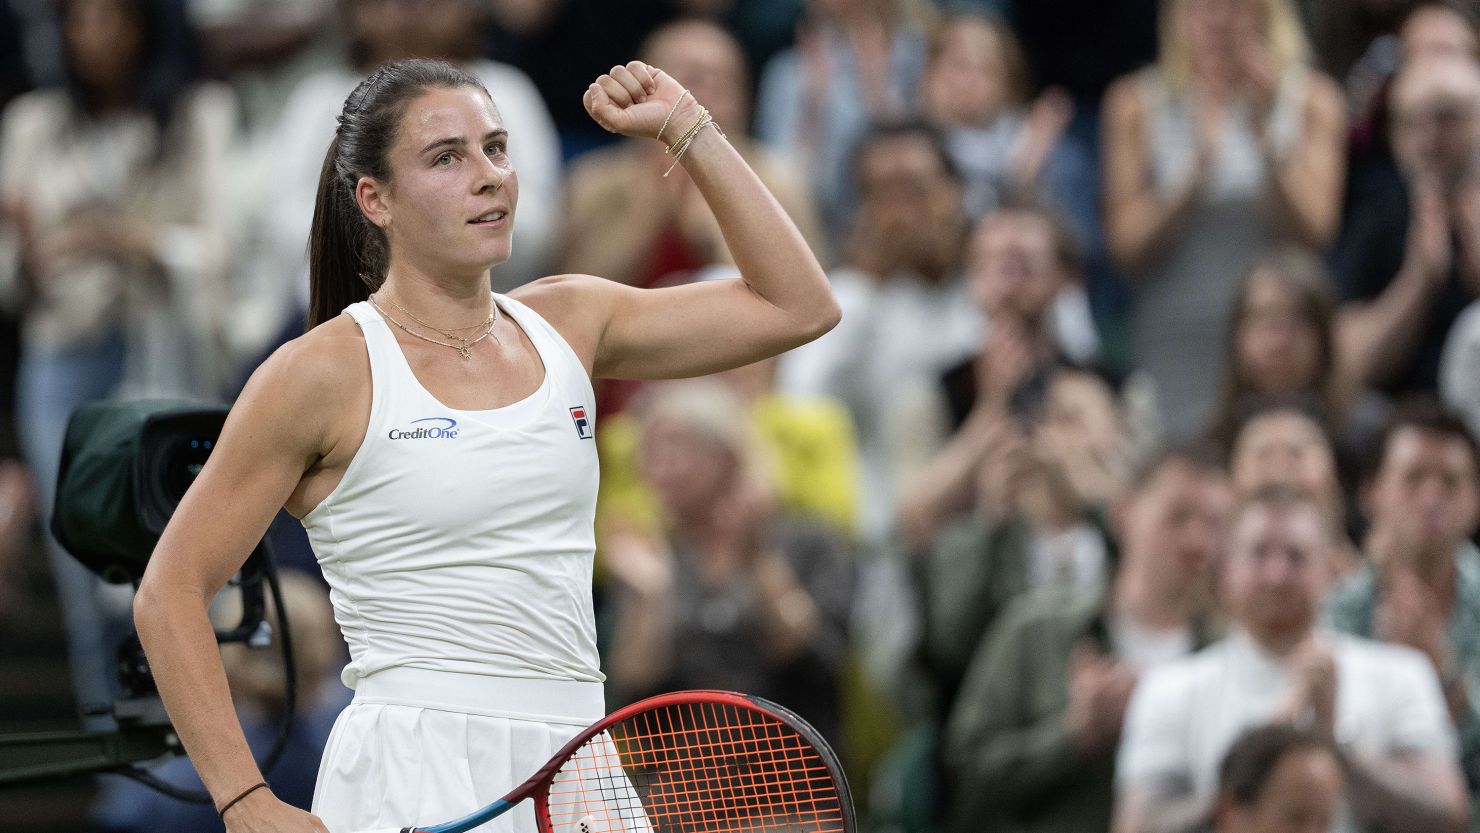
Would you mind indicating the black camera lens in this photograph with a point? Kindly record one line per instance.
(183, 462)
(173, 450)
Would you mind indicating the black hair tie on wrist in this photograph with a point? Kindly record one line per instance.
(244, 793)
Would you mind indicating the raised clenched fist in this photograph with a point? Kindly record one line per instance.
(636, 100)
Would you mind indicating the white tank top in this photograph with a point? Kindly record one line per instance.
(462, 540)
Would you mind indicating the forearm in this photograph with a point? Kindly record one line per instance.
(1375, 338)
(1396, 797)
(1138, 226)
(944, 487)
(1307, 197)
(772, 256)
(180, 644)
(791, 616)
(1307, 183)
(642, 642)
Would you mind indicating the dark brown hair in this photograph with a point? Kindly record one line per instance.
(1067, 250)
(1427, 415)
(889, 131)
(1247, 766)
(162, 73)
(347, 254)
(1299, 272)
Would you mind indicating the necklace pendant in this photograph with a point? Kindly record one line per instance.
(462, 350)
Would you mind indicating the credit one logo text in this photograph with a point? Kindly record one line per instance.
(441, 428)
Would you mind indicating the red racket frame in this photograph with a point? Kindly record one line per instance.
(538, 785)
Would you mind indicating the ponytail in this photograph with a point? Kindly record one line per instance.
(347, 254)
(342, 267)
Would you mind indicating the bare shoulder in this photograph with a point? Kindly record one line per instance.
(322, 359)
(323, 374)
(559, 290)
(577, 306)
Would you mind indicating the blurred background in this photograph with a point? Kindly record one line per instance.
(1113, 272)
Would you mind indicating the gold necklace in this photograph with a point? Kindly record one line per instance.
(452, 333)
(464, 345)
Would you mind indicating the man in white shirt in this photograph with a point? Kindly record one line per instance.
(906, 313)
(1380, 703)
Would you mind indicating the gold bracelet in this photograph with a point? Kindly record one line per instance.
(671, 112)
(708, 122)
(694, 128)
(688, 139)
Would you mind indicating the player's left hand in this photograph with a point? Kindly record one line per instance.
(634, 100)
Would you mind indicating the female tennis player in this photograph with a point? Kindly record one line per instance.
(436, 441)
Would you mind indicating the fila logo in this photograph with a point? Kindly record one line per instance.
(584, 430)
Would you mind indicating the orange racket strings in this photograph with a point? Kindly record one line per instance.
(697, 768)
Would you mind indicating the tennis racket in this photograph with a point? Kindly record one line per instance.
(686, 762)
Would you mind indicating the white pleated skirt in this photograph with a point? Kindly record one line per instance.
(419, 747)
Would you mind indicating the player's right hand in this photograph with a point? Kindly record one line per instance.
(262, 812)
(636, 99)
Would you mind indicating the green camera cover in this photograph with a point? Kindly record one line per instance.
(100, 514)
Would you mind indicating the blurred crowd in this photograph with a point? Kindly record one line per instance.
(1137, 489)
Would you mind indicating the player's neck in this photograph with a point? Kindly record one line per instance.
(440, 299)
